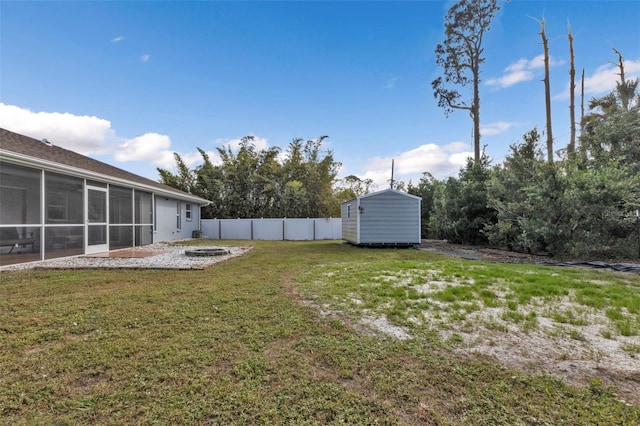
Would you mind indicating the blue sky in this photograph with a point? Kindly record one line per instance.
(131, 82)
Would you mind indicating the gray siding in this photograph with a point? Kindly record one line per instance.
(389, 217)
(350, 222)
(188, 226)
(167, 223)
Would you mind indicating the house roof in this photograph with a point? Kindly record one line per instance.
(32, 152)
(373, 194)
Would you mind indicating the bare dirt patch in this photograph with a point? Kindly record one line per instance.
(577, 353)
(482, 253)
(553, 334)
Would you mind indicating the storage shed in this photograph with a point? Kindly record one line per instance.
(387, 217)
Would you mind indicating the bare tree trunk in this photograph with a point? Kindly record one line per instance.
(623, 83)
(582, 105)
(571, 148)
(475, 111)
(547, 93)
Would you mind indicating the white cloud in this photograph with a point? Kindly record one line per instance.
(440, 161)
(604, 79)
(234, 144)
(151, 147)
(89, 135)
(496, 128)
(92, 135)
(118, 39)
(145, 57)
(83, 134)
(456, 147)
(156, 148)
(521, 70)
(194, 158)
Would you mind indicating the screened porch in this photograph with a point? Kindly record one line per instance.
(45, 215)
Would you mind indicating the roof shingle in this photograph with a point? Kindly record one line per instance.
(30, 147)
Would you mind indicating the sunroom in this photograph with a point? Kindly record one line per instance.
(51, 209)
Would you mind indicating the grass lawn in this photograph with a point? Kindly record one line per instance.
(250, 341)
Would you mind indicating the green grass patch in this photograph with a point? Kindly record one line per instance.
(631, 348)
(567, 317)
(235, 344)
(475, 286)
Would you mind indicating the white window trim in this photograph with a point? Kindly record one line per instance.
(178, 216)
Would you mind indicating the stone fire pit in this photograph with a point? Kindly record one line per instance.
(207, 252)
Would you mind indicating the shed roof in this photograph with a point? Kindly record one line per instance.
(373, 194)
(29, 151)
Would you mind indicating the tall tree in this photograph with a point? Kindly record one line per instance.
(321, 172)
(582, 103)
(183, 180)
(209, 185)
(612, 128)
(572, 88)
(460, 208)
(352, 186)
(425, 188)
(547, 92)
(626, 89)
(460, 56)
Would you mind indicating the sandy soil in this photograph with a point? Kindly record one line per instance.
(575, 353)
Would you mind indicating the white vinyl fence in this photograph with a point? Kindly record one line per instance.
(273, 229)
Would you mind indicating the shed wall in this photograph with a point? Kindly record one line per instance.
(389, 218)
(349, 214)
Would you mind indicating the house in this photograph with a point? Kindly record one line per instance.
(384, 218)
(55, 202)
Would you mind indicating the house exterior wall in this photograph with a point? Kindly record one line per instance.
(167, 217)
(45, 215)
(57, 203)
(384, 217)
(349, 214)
(193, 223)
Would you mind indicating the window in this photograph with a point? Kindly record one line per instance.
(187, 214)
(178, 216)
(155, 216)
